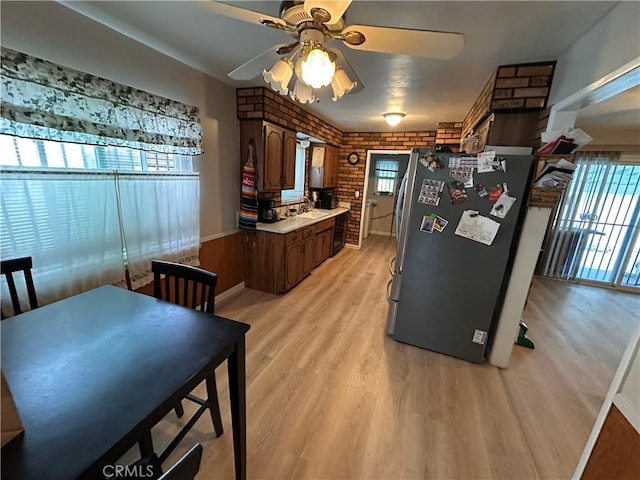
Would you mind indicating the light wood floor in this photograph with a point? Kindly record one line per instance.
(329, 395)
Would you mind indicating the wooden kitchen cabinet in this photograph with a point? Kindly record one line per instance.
(275, 262)
(275, 154)
(323, 246)
(508, 129)
(298, 251)
(308, 261)
(294, 264)
(324, 167)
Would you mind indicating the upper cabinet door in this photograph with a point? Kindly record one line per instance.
(324, 167)
(273, 148)
(331, 166)
(289, 160)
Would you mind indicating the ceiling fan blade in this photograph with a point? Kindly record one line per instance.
(335, 8)
(251, 69)
(342, 61)
(403, 41)
(243, 14)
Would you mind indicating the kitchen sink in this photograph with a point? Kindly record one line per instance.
(312, 214)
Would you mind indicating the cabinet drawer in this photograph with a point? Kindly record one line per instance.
(308, 232)
(324, 225)
(293, 237)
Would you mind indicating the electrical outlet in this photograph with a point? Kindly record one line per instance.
(357, 193)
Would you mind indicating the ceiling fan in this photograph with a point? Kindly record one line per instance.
(312, 23)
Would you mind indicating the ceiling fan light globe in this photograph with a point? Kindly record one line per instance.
(279, 76)
(343, 79)
(317, 69)
(338, 90)
(302, 93)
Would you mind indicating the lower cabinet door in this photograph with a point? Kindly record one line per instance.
(309, 255)
(327, 247)
(318, 248)
(294, 261)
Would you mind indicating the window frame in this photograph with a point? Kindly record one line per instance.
(385, 179)
(301, 167)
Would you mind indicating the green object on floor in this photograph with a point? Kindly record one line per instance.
(522, 336)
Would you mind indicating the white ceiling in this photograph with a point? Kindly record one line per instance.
(429, 91)
(615, 121)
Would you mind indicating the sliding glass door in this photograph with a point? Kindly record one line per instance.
(595, 235)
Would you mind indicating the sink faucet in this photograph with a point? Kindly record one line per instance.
(305, 206)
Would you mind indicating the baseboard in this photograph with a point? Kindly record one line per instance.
(628, 410)
(232, 292)
(218, 235)
(383, 233)
(350, 245)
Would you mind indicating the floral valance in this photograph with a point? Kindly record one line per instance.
(45, 101)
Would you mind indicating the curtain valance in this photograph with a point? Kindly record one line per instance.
(45, 101)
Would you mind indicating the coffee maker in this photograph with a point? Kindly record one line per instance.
(267, 211)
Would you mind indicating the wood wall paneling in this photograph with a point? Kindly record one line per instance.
(616, 454)
(224, 256)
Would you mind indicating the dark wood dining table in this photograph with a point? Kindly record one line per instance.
(91, 374)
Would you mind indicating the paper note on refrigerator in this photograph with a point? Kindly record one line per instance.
(502, 205)
(477, 228)
(485, 162)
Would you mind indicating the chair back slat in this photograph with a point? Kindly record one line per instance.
(198, 280)
(203, 298)
(13, 293)
(194, 295)
(185, 293)
(8, 268)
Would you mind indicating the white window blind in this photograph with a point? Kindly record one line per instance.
(595, 234)
(297, 192)
(84, 212)
(386, 174)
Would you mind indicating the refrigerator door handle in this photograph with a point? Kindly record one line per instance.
(392, 266)
(388, 293)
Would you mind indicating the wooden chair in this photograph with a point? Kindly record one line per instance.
(187, 467)
(9, 267)
(184, 469)
(194, 288)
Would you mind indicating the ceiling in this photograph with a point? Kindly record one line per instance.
(427, 90)
(615, 121)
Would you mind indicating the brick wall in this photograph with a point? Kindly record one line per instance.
(262, 103)
(524, 86)
(512, 88)
(351, 177)
(480, 109)
(449, 134)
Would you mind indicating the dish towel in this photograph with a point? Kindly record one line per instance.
(248, 201)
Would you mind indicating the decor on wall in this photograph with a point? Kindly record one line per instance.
(314, 22)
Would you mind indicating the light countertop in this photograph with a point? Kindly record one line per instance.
(293, 223)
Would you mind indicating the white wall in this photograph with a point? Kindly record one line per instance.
(54, 32)
(610, 44)
(384, 224)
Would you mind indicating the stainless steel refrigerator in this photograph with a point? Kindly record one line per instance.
(447, 290)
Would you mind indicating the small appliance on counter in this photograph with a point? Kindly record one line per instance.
(266, 211)
(326, 199)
